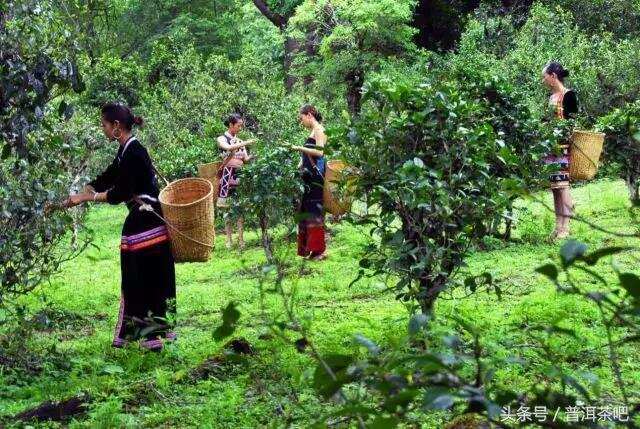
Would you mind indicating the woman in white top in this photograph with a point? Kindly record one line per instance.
(234, 156)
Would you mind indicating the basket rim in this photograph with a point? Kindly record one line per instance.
(597, 133)
(210, 163)
(186, 179)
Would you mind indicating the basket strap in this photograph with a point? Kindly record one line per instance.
(146, 207)
(160, 175)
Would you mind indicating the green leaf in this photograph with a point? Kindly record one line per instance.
(365, 263)
(230, 317)
(631, 283)
(576, 385)
(381, 422)
(571, 251)
(62, 107)
(416, 323)
(549, 270)
(268, 269)
(6, 151)
(594, 257)
(402, 400)
(230, 314)
(112, 369)
(368, 344)
(323, 382)
(222, 332)
(438, 398)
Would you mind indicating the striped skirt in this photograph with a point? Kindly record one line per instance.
(560, 178)
(148, 288)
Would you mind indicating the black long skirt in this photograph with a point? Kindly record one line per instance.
(311, 234)
(147, 304)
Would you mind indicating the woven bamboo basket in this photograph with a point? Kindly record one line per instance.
(337, 199)
(187, 205)
(210, 172)
(586, 148)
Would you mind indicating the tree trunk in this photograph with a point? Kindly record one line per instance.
(354, 91)
(291, 47)
(266, 239)
(509, 222)
(310, 50)
(633, 185)
(428, 298)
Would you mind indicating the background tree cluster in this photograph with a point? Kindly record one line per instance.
(185, 65)
(438, 106)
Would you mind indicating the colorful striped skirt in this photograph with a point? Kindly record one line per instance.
(560, 178)
(228, 184)
(148, 288)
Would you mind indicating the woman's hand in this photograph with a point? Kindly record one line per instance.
(74, 200)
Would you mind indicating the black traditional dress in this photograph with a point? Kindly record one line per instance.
(148, 289)
(311, 241)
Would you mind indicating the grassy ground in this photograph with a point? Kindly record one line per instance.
(77, 312)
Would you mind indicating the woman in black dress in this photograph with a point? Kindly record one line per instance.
(563, 103)
(148, 290)
(311, 239)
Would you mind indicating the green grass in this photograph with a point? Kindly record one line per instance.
(130, 388)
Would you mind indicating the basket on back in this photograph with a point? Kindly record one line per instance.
(187, 205)
(210, 172)
(337, 191)
(586, 148)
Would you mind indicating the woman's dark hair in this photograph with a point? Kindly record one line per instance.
(557, 69)
(112, 112)
(233, 119)
(308, 109)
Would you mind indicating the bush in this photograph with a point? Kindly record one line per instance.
(38, 161)
(622, 147)
(604, 70)
(438, 160)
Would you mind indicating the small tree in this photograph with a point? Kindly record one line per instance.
(269, 187)
(269, 184)
(347, 39)
(38, 163)
(433, 160)
(622, 127)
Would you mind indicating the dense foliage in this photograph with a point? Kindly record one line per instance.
(438, 160)
(622, 127)
(439, 109)
(42, 155)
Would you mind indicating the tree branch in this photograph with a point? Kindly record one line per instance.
(278, 20)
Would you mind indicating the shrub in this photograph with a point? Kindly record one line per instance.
(437, 162)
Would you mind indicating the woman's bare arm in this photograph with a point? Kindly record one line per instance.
(222, 144)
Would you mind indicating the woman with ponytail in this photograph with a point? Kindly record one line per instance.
(148, 288)
(311, 239)
(564, 103)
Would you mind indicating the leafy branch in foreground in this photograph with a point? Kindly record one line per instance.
(453, 374)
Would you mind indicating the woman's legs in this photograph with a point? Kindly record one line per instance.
(557, 205)
(228, 228)
(240, 233)
(563, 205)
(566, 204)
